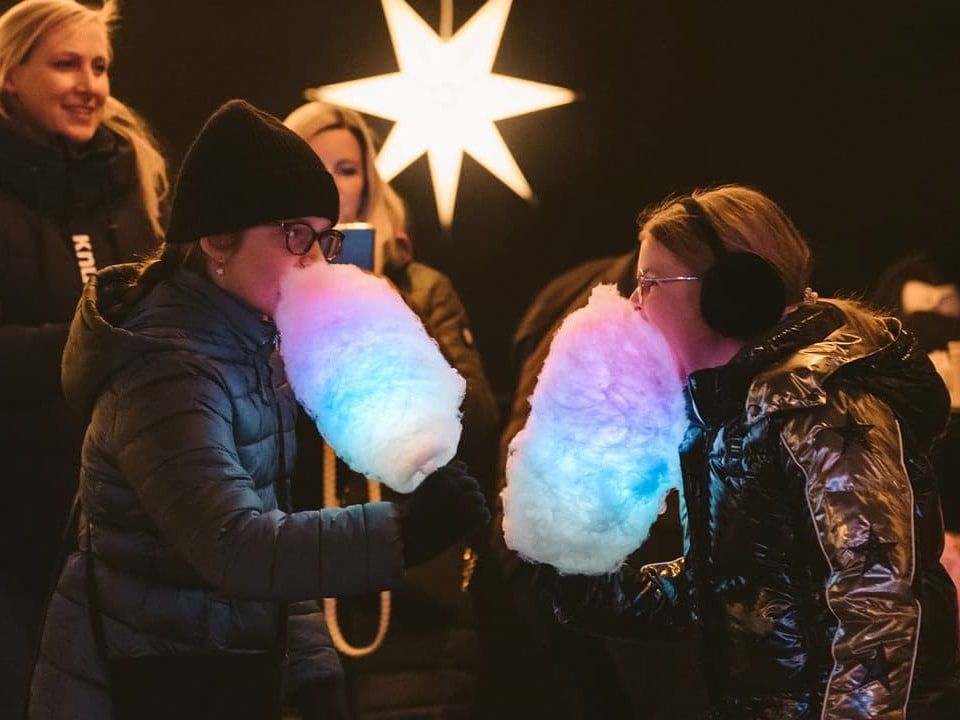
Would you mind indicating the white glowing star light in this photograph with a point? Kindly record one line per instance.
(445, 100)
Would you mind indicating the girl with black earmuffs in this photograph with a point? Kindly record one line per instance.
(811, 516)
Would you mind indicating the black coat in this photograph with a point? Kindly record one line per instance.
(50, 194)
(813, 531)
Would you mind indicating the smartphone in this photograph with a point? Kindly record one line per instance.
(357, 245)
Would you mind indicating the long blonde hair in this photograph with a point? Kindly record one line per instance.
(379, 203)
(24, 25)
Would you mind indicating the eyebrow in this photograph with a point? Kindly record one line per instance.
(75, 55)
(303, 221)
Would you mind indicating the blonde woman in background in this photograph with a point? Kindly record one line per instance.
(425, 634)
(81, 187)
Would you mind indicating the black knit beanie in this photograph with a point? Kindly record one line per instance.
(244, 169)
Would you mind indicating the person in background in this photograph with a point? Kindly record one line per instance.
(534, 666)
(414, 653)
(176, 604)
(82, 185)
(812, 522)
(923, 290)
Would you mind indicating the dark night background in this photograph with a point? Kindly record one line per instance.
(844, 112)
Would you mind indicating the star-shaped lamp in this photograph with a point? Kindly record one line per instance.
(445, 100)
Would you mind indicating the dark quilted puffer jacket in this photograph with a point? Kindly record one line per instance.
(189, 409)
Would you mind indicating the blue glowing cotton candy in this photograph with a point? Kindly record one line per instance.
(362, 365)
(590, 471)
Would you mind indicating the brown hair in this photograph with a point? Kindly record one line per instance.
(745, 220)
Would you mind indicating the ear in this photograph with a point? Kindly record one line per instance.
(218, 247)
(404, 245)
(9, 87)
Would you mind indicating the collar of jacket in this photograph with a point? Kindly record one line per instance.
(788, 367)
(48, 176)
(252, 328)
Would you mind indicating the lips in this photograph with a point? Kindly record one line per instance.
(82, 111)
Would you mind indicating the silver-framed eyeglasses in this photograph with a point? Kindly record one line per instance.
(300, 237)
(645, 282)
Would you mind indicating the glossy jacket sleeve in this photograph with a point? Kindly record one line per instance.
(861, 503)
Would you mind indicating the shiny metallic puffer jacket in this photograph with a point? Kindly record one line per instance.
(812, 531)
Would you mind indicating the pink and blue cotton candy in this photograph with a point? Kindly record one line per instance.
(589, 473)
(362, 365)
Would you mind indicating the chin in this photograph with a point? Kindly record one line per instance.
(81, 131)
(78, 136)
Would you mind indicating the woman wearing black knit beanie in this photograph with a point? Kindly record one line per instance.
(193, 592)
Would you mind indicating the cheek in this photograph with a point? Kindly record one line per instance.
(51, 87)
(350, 190)
(279, 267)
(44, 105)
(673, 315)
(261, 281)
(659, 317)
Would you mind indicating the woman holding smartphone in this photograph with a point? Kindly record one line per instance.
(428, 626)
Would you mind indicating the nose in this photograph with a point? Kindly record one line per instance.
(85, 79)
(90, 81)
(636, 297)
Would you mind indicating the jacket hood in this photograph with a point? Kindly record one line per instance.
(186, 313)
(813, 349)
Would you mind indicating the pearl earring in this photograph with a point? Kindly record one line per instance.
(220, 267)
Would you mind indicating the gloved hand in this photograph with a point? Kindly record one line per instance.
(447, 506)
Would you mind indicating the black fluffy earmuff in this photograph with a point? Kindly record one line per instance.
(741, 295)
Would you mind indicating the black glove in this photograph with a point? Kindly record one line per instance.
(447, 506)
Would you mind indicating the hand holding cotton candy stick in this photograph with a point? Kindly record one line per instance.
(589, 473)
(362, 365)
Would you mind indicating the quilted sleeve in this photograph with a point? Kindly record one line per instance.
(176, 448)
